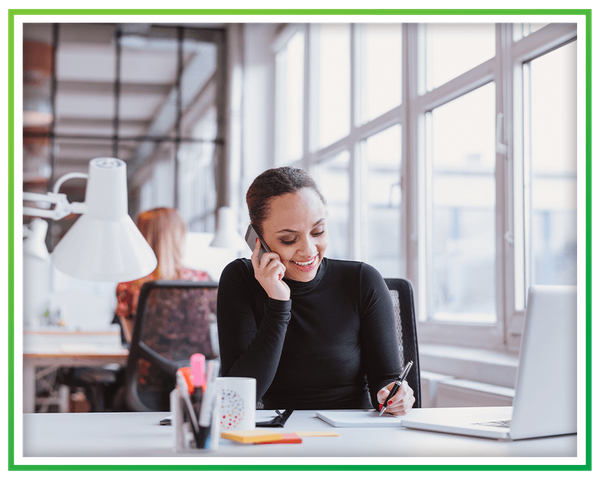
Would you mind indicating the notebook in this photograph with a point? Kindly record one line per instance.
(545, 389)
(367, 418)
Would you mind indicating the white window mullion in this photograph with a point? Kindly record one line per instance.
(356, 185)
(504, 236)
(312, 92)
(308, 101)
(414, 163)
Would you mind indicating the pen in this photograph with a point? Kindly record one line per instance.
(396, 386)
(209, 403)
(184, 385)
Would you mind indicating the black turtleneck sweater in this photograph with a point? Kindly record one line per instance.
(328, 347)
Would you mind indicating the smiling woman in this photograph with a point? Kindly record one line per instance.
(314, 332)
(288, 211)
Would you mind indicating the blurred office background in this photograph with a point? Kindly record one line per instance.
(446, 153)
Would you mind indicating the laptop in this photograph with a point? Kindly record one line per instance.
(545, 389)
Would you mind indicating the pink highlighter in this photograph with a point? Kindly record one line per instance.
(197, 365)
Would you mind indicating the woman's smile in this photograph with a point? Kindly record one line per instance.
(306, 266)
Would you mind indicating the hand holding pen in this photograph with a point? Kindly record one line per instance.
(403, 403)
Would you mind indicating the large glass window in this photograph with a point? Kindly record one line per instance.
(461, 239)
(380, 53)
(129, 90)
(289, 63)
(457, 165)
(452, 50)
(548, 208)
(332, 176)
(381, 155)
(334, 82)
(197, 190)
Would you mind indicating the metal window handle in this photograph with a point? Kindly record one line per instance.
(501, 148)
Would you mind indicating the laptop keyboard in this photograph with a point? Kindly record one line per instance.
(499, 423)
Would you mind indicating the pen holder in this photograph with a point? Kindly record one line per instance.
(183, 434)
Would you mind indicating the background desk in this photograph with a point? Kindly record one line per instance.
(55, 349)
(140, 435)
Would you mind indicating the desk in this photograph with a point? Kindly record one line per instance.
(140, 435)
(55, 349)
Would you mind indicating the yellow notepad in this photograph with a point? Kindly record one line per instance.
(258, 435)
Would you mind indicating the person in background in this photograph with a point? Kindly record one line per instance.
(164, 229)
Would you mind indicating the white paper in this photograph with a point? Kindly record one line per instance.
(359, 419)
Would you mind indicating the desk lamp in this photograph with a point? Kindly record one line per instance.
(104, 244)
(227, 235)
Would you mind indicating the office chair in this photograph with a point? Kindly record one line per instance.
(401, 291)
(172, 322)
(100, 384)
(97, 383)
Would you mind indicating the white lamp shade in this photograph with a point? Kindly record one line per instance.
(104, 244)
(227, 235)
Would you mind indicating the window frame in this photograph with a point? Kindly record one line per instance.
(526, 49)
(505, 71)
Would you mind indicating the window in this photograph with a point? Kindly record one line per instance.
(447, 155)
(458, 245)
(129, 90)
(182, 165)
(332, 177)
(450, 50)
(289, 64)
(197, 190)
(546, 213)
(332, 46)
(381, 156)
(380, 63)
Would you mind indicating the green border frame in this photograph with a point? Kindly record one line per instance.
(15, 465)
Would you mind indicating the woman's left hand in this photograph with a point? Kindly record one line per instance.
(399, 404)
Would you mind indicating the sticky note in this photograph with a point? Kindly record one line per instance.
(287, 438)
(258, 435)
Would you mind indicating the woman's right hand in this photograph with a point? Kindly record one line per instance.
(269, 272)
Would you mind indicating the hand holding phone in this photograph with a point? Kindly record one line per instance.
(270, 275)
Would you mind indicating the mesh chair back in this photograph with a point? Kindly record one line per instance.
(401, 291)
(172, 323)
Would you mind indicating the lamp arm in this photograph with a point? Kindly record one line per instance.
(63, 207)
(66, 177)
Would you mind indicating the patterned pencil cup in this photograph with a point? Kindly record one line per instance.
(237, 398)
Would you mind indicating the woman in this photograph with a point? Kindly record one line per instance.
(164, 229)
(316, 333)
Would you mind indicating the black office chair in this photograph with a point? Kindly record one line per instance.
(172, 323)
(401, 291)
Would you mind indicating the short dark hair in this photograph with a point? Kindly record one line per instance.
(274, 183)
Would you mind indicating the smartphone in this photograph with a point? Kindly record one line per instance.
(251, 236)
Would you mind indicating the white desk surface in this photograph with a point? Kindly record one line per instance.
(44, 345)
(140, 435)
